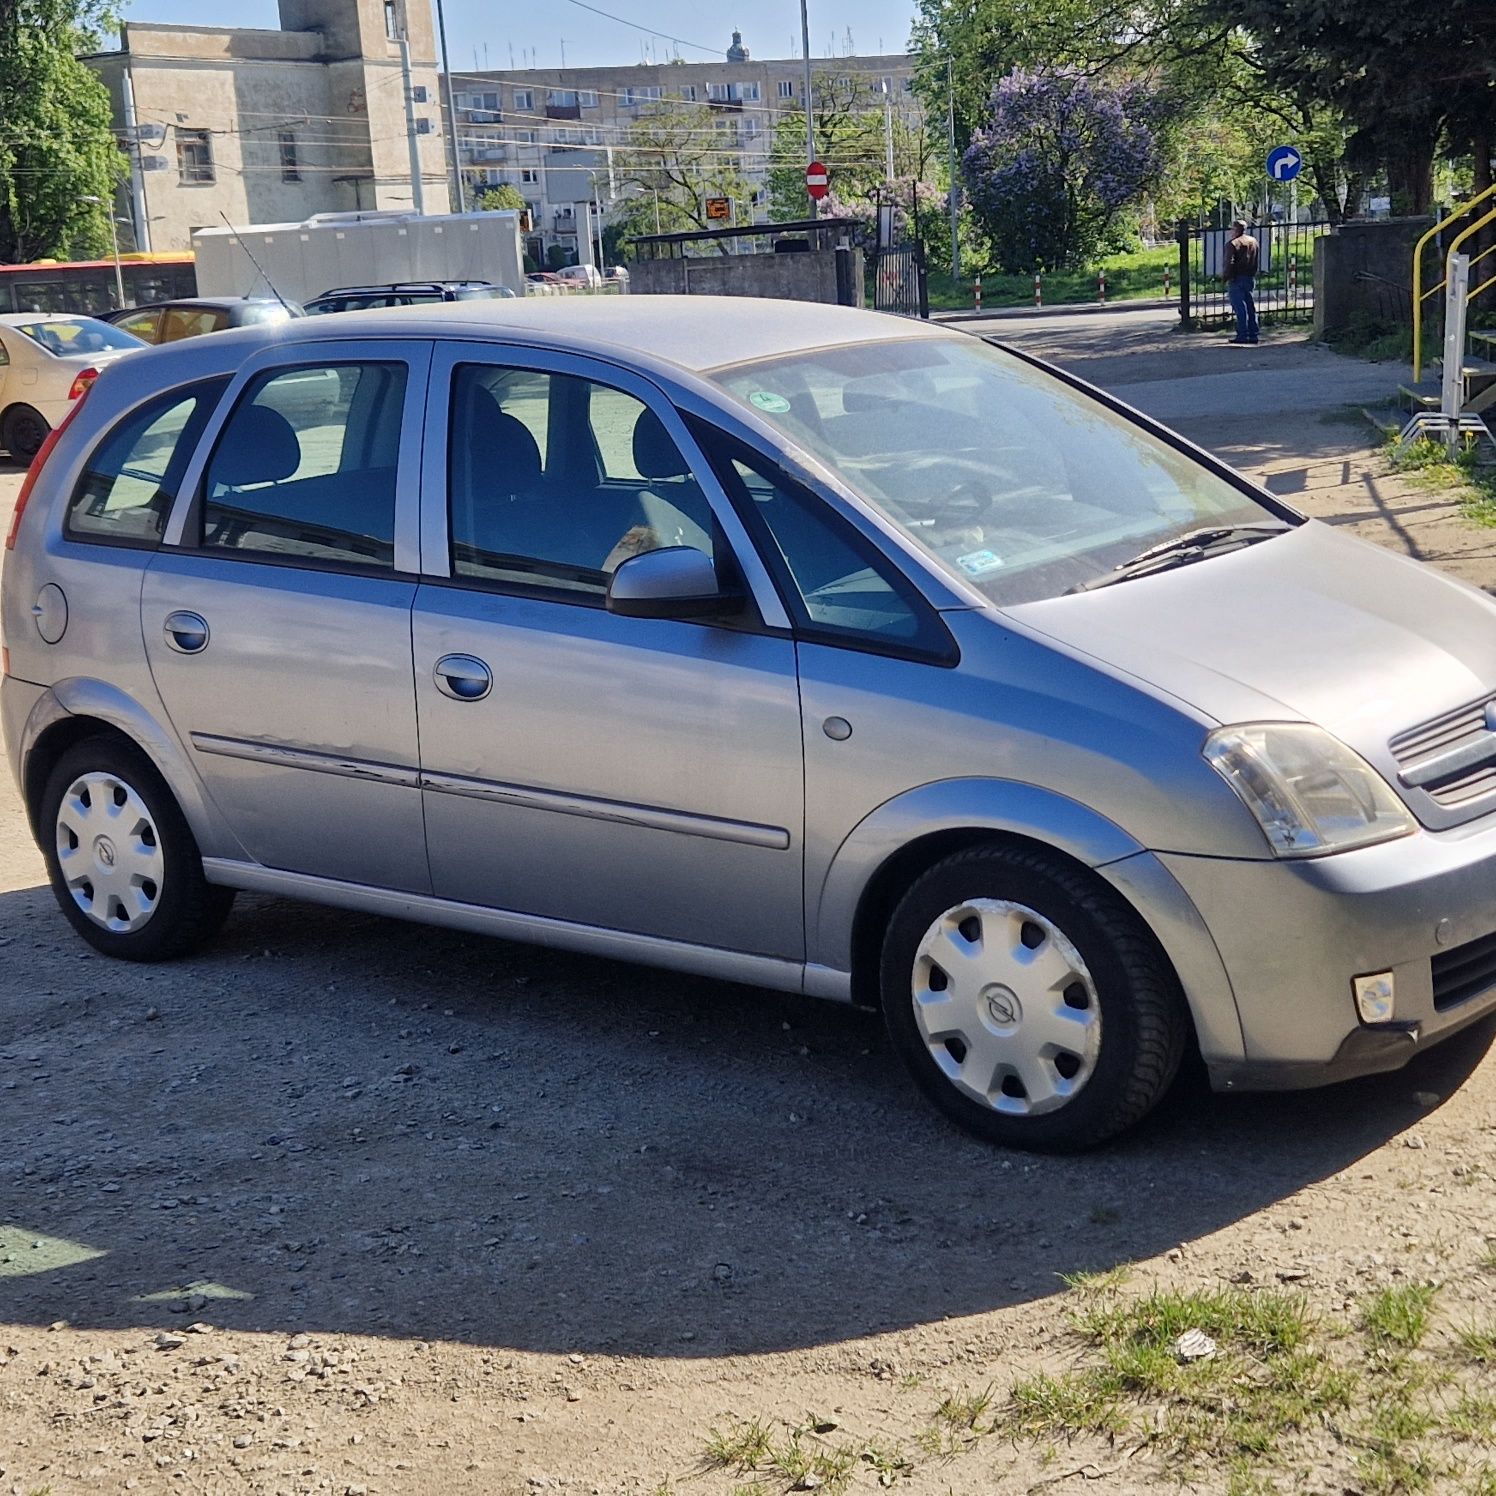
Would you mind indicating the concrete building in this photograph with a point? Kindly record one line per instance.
(550, 132)
(271, 126)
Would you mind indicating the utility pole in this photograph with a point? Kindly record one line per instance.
(459, 194)
(810, 123)
(955, 192)
(417, 195)
(888, 132)
(137, 176)
(119, 279)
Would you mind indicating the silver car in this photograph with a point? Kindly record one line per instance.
(786, 644)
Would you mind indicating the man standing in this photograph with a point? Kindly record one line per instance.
(1241, 282)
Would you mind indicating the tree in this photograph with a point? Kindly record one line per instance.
(679, 155)
(57, 147)
(1058, 159)
(505, 198)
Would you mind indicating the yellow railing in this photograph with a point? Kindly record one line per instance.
(1419, 294)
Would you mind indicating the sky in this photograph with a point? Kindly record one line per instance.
(699, 29)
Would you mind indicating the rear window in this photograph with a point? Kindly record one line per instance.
(252, 316)
(81, 335)
(132, 475)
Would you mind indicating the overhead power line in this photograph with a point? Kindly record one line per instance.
(647, 30)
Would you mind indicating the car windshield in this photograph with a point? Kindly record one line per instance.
(1019, 484)
(81, 335)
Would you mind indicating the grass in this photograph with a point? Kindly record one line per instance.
(1399, 1316)
(1430, 466)
(1129, 276)
(800, 1458)
(1479, 1343)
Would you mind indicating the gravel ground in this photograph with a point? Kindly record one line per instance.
(344, 1206)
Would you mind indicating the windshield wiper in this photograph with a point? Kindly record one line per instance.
(1194, 545)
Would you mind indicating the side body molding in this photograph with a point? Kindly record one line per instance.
(1054, 820)
(79, 696)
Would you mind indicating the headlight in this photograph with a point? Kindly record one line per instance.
(1309, 792)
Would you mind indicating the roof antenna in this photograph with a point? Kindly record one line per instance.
(238, 239)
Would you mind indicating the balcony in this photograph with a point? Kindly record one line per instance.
(563, 111)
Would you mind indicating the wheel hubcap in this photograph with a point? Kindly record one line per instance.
(1006, 1007)
(109, 852)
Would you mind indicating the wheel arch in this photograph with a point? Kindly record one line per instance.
(902, 839)
(76, 709)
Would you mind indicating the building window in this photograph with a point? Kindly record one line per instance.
(909, 84)
(786, 88)
(561, 98)
(392, 20)
(194, 156)
(587, 98)
(290, 167)
(888, 85)
(524, 137)
(524, 98)
(688, 93)
(748, 92)
(529, 175)
(634, 95)
(751, 126)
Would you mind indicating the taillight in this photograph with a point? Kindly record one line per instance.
(82, 382)
(35, 470)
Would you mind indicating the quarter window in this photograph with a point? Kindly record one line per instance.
(132, 475)
(555, 480)
(305, 467)
(190, 322)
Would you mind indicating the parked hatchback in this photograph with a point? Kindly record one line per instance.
(192, 317)
(850, 657)
(46, 362)
(404, 293)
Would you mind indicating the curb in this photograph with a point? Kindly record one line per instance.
(1063, 309)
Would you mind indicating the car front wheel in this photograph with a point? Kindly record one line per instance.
(1029, 1002)
(121, 858)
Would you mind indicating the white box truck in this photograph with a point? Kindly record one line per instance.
(302, 260)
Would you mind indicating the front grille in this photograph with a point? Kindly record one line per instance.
(1463, 973)
(1455, 729)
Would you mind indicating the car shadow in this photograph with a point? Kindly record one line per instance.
(335, 1122)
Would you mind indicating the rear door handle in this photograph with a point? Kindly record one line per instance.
(463, 677)
(187, 633)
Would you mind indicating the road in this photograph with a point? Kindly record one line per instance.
(463, 1216)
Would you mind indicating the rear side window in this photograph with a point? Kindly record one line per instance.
(304, 468)
(127, 488)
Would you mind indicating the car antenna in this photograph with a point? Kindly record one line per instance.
(239, 240)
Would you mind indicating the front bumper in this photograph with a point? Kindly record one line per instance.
(1293, 933)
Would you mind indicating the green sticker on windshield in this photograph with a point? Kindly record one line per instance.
(767, 400)
(978, 563)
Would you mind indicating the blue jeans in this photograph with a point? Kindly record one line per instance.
(1239, 291)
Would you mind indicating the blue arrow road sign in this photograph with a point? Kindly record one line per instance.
(1284, 163)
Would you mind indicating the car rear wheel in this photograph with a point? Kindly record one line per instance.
(23, 431)
(1030, 1004)
(121, 858)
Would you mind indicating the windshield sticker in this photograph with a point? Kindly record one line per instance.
(767, 400)
(979, 563)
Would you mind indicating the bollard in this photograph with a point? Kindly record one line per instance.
(1038, 288)
(1168, 282)
(1101, 286)
(978, 292)
(1293, 272)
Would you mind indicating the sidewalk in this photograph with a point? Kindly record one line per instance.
(1287, 413)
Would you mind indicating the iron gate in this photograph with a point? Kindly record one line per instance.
(900, 281)
(1285, 279)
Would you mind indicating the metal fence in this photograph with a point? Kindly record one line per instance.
(901, 280)
(1285, 276)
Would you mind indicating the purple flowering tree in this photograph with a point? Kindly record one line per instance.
(1059, 159)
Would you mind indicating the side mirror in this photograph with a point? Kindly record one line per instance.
(676, 582)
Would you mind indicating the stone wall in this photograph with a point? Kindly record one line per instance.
(1363, 273)
(791, 277)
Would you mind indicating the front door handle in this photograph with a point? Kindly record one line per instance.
(187, 633)
(463, 677)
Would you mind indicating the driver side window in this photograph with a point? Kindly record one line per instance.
(840, 588)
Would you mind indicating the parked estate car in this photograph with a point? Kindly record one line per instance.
(404, 293)
(47, 361)
(191, 317)
(580, 275)
(851, 656)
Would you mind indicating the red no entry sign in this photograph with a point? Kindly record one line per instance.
(817, 180)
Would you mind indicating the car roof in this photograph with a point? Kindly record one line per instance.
(692, 332)
(27, 319)
(433, 285)
(213, 302)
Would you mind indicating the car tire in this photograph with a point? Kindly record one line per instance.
(22, 431)
(123, 863)
(1059, 1023)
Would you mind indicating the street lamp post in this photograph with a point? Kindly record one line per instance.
(119, 275)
